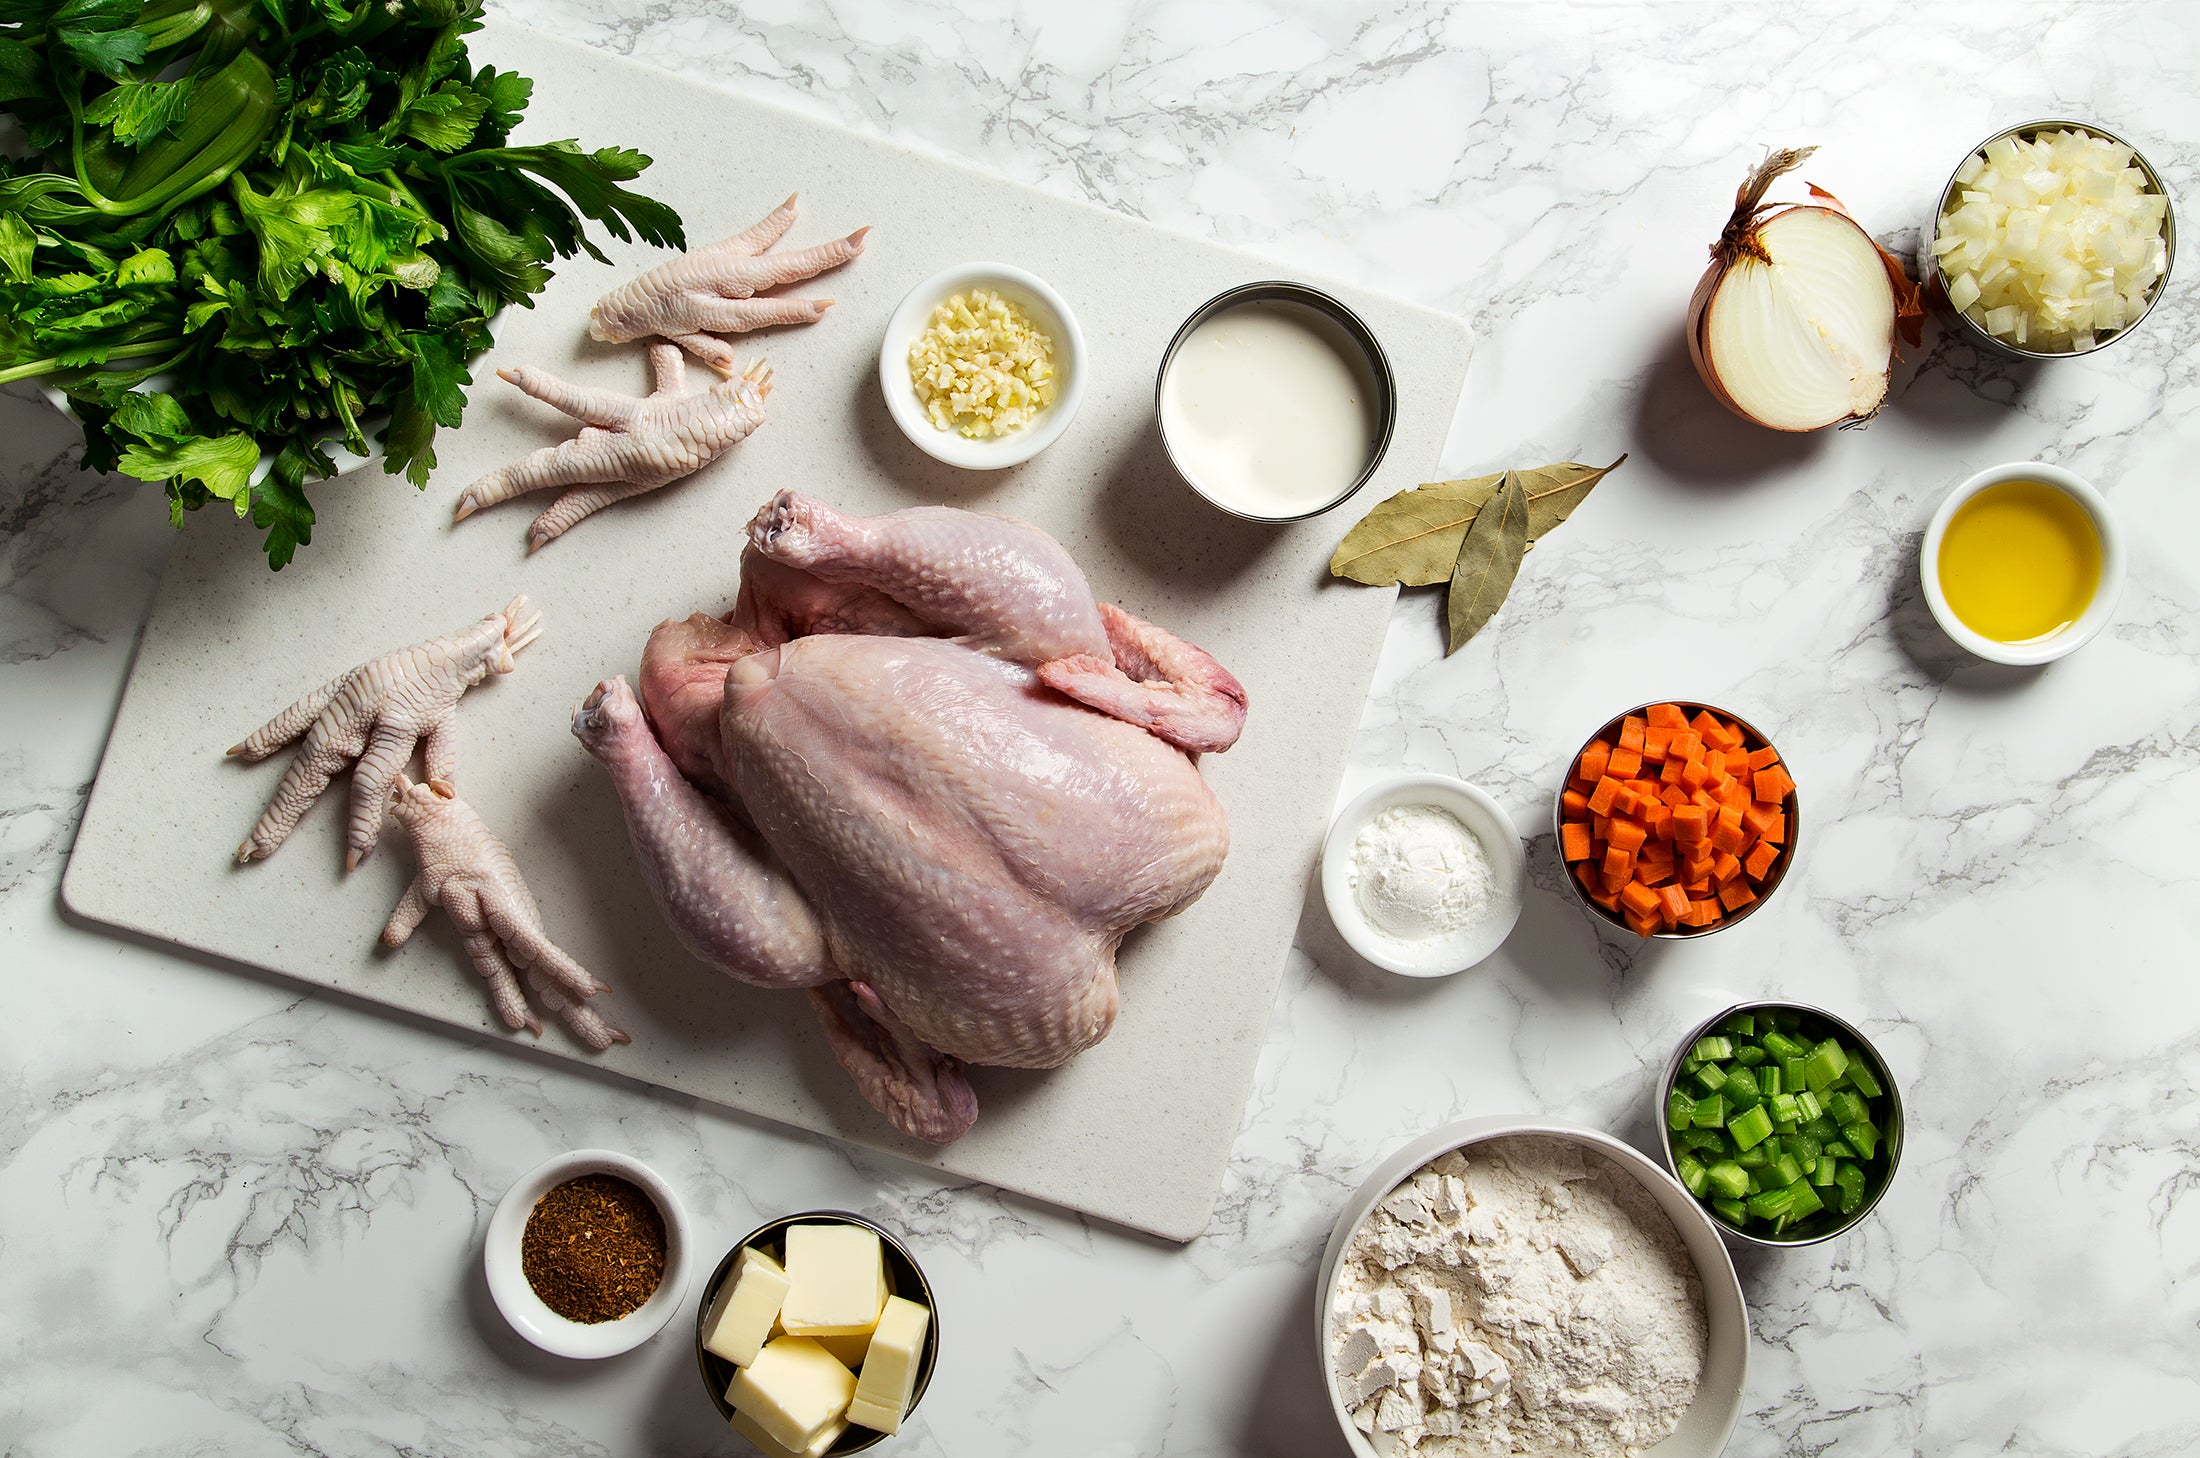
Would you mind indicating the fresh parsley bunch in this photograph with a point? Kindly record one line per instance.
(298, 214)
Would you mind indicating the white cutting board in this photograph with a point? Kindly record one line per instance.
(1139, 1129)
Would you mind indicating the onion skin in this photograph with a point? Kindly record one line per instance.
(1739, 239)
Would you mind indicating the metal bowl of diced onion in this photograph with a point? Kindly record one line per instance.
(1974, 328)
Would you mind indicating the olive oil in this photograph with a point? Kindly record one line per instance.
(2020, 561)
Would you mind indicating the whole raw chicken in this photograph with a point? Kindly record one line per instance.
(921, 773)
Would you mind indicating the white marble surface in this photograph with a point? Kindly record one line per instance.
(238, 1219)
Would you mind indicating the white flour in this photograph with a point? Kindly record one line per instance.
(1419, 874)
(1530, 1300)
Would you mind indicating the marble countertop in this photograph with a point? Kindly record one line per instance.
(236, 1218)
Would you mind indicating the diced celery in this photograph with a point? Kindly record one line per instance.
(1756, 1181)
(1710, 1112)
(1689, 1064)
(1756, 1158)
(1850, 1181)
(1750, 1126)
(1733, 1212)
(1749, 1055)
(1679, 1110)
(1822, 1129)
(1781, 1046)
(1710, 1078)
(1824, 1065)
(1693, 1139)
(1807, 1104)
(1791, 1075)
(1740, 1024)
(1741, 1090)
(1784, 1109)
(1771, 1204)
(1837, 1147)
(1714, 1049)
(1768, 1080)
(1786, 1168)
(1824, 1174)
(1693, 1174)
(1844, 1106)
(1787, 1020)
(1803, 1200)
(1863, 1137)
(1862, 1077)
(1729, 1178)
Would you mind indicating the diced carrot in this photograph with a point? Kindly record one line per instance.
(1638, 897)
(1671, 774)
(1694, 774)
(1690, 823)
(1773, 785)
(1631, 731)
(1685, 744)
(1760, 860)
(1674, 796)
(1725, 867)
(1666, 715)
(1600, 800)
(1618, 864)
(1777, 831)
(1697, 867)
(1737, 761)
(1654, 815)
(1628, 836)
(1715, 777)
(1733, 795)
(1704, 912)
(1586, 873)
(1698, 885)
(1728, 835)
(1626, 802)
(1573, 842)
(1734, 895)
(1675, 905)
(1757, 819)
(1763, 755)
(1593, 760)
(1645, 927)
(1573, 804)
(1601, 825)
(1608, 900)
(1625, 763)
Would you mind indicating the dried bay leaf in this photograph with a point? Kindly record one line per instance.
(1489, 560)
(1415, 537)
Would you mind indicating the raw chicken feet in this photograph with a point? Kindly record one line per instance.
(626, 446)
(375, 715)
(469, 873)
(712, 291)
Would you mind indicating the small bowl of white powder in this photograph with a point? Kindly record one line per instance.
(1424, 875)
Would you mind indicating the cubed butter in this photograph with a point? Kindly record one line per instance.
(838, 1280)
(794, 1390)
(850, 1349)
(890, 1368)
(770, 1446)
(747, 1306)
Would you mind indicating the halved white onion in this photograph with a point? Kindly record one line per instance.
(1793, 325)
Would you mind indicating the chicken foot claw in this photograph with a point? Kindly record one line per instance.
(470, 874)
(374, 715)
(712, 291)
(626, 446)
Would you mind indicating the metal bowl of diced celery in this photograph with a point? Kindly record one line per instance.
(1783, 1120)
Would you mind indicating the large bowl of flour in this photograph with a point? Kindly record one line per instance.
(1529, 1286)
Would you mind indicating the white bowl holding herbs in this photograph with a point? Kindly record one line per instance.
(1423, 875)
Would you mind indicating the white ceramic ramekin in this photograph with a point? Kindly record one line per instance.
(2054, 646)
(1710, 1419)
(1480, 814)
(535, 1321)
(1048, 310)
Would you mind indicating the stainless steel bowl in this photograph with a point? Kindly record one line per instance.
(904, 1278)
(1306, 296)
(1812, 1230)
(1929, 263)
(1765, 888)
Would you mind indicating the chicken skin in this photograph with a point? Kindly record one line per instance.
(920, 773)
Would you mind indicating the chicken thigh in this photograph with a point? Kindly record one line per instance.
(921, 773)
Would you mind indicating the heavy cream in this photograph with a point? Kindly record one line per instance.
(1271, 409)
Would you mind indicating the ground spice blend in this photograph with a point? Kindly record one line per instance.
(594, 1248)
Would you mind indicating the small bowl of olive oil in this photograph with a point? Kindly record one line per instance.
(2022, 563)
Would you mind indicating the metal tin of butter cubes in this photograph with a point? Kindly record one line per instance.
(904, 1278)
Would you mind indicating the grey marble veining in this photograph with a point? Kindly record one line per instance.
(237, 1219)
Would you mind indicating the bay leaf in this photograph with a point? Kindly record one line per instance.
(1489, 560)
(1414, 537)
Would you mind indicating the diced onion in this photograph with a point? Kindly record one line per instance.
(2052, 242)
(981, 366)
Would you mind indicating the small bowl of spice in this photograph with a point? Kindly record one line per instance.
(982, 366)
(588, 1254)
(1423, 875)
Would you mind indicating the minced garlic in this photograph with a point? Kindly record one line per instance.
(981, 367)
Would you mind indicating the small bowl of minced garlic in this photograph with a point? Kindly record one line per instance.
(982, 366)
(1423, 875)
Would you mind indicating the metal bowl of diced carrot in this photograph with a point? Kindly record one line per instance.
(1676, 819)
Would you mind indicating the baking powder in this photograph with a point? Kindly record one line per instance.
(1420, 875)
